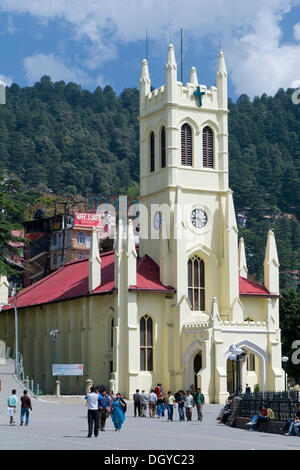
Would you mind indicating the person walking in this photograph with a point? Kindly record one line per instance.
(25, 407)
(93, 412)
(12, 403)
(181, 401)
(118, 413)
(152, 399)
(137, 402)
(104, 409)
(171, 404)
(144, 401)
(199, 402)
(189, 403)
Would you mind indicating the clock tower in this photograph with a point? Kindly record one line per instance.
(187, 215)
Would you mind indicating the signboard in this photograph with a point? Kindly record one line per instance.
(86, 219)
(67, 369)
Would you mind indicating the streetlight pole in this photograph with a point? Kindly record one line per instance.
(232, 357)
(53, 334)
(237, 353)
(284, 359)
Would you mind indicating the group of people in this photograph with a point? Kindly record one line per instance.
(26, 407)
(100, 406)
(158, 403)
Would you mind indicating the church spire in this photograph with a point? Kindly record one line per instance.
(145, 78)
(144, 84)
(94, 263)
(243, 270)
(271, 265)
(3, 290)
(171, 74)
(131, 255)
(221, 81)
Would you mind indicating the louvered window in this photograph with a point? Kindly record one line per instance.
(208, 148)
(163, 147)
(196, 283)
(186, 145)
(146, 343)
(152, 152)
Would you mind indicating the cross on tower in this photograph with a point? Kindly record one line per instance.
(199, 94)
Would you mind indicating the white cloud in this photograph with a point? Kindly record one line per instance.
(259, 62)
(4, 80)
(42, 64)
(250, 32)
(297, 31)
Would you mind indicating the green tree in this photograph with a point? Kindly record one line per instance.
(290, 328)
(8, 212)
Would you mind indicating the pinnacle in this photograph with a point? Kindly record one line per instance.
(171, 56)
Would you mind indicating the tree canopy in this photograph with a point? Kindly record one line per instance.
(72, 141)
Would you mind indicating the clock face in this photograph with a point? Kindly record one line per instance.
(198, 218)
(157, 220)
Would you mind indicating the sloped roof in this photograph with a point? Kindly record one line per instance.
(71, 281)
(252, 288)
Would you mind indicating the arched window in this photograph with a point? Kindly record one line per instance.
(152, 152)
(196, 283)
(146, 343)
(80, 238)
(186, 145)
(208, 148)
(250, 362)
(163, 147)
(112, 333)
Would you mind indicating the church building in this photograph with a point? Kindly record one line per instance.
(168, 309)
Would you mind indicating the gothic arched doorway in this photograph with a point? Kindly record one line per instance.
(197, 367)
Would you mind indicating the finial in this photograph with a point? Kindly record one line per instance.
(193, 76)
(171, 62)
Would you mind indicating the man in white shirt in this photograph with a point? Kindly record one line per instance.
(93, 412)
(171, 404)
(189, 403)
(152, 399)
(144, 401)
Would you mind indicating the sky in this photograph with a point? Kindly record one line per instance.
(97, 43)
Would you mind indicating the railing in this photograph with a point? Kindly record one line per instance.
(283, 404)
(29, 384)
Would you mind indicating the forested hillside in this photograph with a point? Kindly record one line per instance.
(74, 141)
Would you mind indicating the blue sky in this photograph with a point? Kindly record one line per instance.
(100, 42)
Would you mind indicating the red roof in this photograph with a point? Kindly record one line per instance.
(252, 288)
(71, 281)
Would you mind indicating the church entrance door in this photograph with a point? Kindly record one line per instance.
(197, 367)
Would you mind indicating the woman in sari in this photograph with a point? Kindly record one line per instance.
(118, 414)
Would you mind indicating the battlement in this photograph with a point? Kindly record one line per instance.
(192, 327)
(191, 95)
(157, 98)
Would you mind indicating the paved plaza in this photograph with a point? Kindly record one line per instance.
(61, 424)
